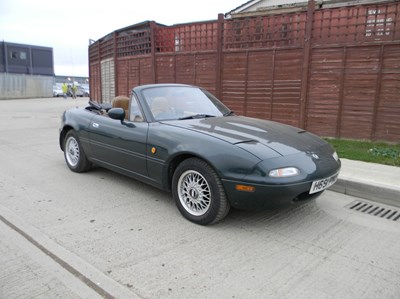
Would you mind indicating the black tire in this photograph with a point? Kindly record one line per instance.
(198, 192)
(73, 153)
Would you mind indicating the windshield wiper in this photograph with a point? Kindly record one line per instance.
(230, 113)
(195, 116)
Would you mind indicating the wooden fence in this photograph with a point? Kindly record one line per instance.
(332, 71)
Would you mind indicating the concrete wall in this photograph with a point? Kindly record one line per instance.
(19, 86)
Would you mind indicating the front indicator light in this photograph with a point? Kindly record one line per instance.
(245, 188)
(284, 172)
(335, 156)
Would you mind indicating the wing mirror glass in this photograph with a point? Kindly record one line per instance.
(119, 114)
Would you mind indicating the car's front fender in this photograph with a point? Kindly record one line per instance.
(77, 119)
(168, 145)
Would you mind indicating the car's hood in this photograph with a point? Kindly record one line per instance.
(283, 139)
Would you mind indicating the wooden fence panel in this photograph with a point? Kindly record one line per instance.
(187, 68)
(265, 31)
(133, 71)
(166, 68)
(287, 86)
(333, 71)
(128, 75)
(324, 96)
(234, 75)
(358, 24)
(359, 92)
(95, 81)
(205, 71)
(388, 111)
(260, 84)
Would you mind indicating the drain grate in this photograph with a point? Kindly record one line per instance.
(375, 210)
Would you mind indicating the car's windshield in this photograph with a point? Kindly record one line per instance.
(182, 102)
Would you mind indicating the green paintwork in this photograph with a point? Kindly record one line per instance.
(242, 150)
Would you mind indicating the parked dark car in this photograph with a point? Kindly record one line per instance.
(182, 139)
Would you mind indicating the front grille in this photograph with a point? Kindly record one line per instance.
(388, 213)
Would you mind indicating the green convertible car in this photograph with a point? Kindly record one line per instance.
(182, 139)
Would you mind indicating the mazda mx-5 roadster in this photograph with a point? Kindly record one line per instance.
(182, 139)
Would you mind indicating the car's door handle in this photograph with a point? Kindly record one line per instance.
(95, 125)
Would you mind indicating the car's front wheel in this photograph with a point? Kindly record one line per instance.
(198, 192)
(73, 153)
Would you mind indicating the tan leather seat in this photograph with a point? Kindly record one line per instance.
(122, 102)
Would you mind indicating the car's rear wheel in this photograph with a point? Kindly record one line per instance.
(73, 153)
(198, 192)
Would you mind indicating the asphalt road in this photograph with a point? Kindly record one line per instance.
(99, 234)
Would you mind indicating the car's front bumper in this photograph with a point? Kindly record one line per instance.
(265, 196)
(261, 191)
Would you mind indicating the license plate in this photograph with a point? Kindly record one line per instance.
(323, 184)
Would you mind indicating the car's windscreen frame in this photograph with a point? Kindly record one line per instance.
(182, 102)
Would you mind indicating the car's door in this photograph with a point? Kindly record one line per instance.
(120, 146)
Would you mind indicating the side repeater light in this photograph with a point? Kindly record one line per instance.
(284, 172)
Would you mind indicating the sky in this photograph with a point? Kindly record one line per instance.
(67, 26)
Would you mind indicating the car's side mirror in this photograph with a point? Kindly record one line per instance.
(119, 114)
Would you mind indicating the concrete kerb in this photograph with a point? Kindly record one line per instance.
(84, 272)
(374, 182)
